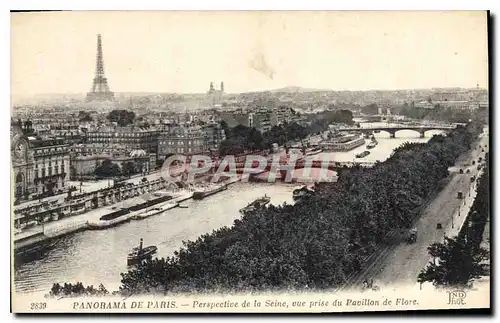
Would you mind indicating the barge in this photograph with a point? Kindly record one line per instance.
(258, 203)
(111, 219)
(203, 192)
(154, 211)
(363, 154)
(301, 193)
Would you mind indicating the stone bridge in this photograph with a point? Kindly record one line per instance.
(392, 129)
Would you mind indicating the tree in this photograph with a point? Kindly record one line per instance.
(370, 109)
(343, 116)
(128, 168)
(121, 117)
(76, 290)
(107, 169)
(454, 263)
(319, 242)
(84, 116)
(316, 243)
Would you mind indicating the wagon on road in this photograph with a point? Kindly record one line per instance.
(412, 235)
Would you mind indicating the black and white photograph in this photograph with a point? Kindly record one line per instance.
(249, 161)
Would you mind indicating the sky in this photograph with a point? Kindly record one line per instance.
(182, 52)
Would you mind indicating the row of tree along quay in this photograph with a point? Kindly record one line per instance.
(315, 244)
(460, 260)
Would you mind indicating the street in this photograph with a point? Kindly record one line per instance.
(403, 262)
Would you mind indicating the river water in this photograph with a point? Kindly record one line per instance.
(95, 257)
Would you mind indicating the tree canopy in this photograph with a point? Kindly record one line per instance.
(84, 116)
(76, 290)
(107, 169)
(316, 243)
(121, 117)
(128, 168)
(242, 138)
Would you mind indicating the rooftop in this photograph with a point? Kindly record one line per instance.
(110, 128)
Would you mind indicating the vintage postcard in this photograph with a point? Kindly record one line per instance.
(249, 161)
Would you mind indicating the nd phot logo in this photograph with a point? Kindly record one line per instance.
(456, 297)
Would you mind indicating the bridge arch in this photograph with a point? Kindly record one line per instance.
(407, 132)
(385, 133)
(431, 132)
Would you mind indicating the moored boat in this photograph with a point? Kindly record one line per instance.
(337, 141)
(301, 192)
(139, 254)
(154, 211)
(363, 154)
(110, 220)
(203, 192)
(313, 151)
(147, 213)
(372, 144)
(260, 202)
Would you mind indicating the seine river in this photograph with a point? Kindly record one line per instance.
(95, 257)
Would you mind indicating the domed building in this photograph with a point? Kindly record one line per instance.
(138, 153)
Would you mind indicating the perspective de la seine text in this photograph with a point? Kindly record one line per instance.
(228, 304)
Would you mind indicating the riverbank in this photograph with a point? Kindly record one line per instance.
(57, 229)
(95, 257)
(99, 256)
(323, 227)
(44, 234)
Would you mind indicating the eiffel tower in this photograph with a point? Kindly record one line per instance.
(100, 90)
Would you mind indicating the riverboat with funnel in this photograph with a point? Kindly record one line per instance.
(139, 254)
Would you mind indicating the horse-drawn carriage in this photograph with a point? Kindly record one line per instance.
(368, 284)
(412, 235)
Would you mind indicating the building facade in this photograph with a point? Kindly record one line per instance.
(82, 166)
(182, 140)
(131, 137)
(214, 135)
(40, 167)
(456, 105)
(95, 148)
(260, 120)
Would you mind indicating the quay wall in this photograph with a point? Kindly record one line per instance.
(63, 227)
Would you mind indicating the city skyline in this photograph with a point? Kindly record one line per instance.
(337, 51)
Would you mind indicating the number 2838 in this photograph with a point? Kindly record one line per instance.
(38, 306)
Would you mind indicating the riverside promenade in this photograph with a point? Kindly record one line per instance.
(51, 230)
